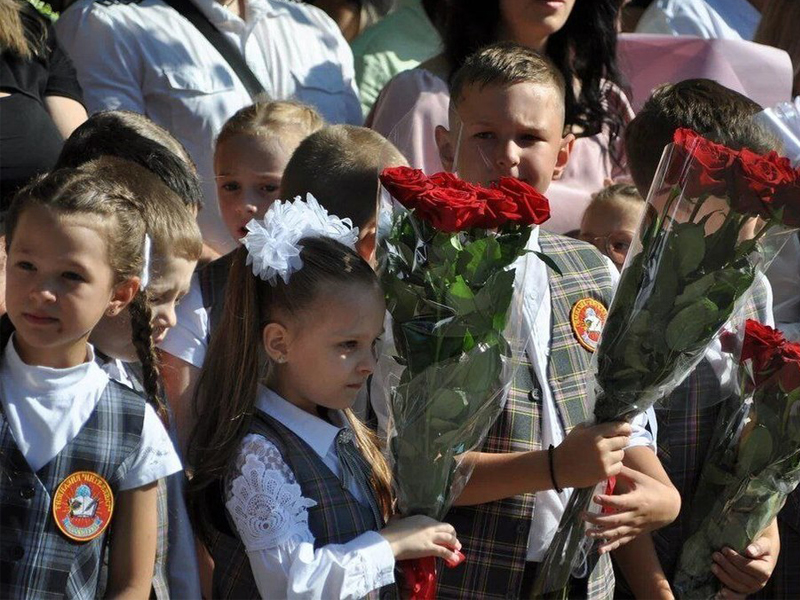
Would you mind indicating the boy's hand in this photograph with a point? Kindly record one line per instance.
(745, 574)
(637, 509)
(590, 454)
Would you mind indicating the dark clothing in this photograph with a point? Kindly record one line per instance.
(29, 140)
(36, 559)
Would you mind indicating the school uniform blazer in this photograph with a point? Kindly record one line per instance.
(495, 534)
(36, 559)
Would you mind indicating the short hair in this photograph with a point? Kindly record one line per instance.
(340, 165)
(276, 118)
(504, 64)
(712, 110)
(611, 192)
(133, 137)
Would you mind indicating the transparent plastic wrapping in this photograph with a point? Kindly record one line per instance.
(451, 263)
(714, 220)
(754, 459)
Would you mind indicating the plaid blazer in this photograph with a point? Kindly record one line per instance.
(686, 423)
(212, 278)
(336, 519)
(36, 559)
(495, 535)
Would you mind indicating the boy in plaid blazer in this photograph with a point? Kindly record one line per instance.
(507, 119)
(686, 422)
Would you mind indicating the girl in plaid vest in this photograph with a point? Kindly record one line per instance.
(80, 454)
(290, 490)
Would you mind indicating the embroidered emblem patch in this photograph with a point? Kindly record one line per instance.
(82, 506)
(588, 317)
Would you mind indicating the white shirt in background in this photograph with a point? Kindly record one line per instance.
(46, 409)
(784, 276)
(145, 57)
(270, 514)
(709, 19)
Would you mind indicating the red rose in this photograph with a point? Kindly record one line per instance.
(499, 208)
(761, 344)
(533, 208)
(787, 197)
(450, 210)
(405, 183)
(699, 165)
(755, 178)
(789, 374)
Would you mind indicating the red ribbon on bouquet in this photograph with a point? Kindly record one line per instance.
(420, 576)
(610, 485)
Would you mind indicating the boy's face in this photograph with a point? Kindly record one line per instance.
(507, 131)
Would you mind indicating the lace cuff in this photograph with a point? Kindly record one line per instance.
(264, 499)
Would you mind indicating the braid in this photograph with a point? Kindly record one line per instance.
(141, 317)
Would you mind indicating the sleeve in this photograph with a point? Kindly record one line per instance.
(354, 114)
(188, 340)
(270, 514)
(61, 78)
(156, 457)
(644, 430)
(106, 55)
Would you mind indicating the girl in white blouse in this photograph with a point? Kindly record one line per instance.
(286, 478)
(85, 452)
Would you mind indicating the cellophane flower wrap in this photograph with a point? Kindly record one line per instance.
(753, 463)
(714, 219)
(449, 278)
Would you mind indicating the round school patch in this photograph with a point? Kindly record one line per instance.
(588, 317)
(82, 506)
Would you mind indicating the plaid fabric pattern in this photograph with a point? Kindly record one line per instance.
(336, 519)
(686, 422)
(36, 559)
(160, 580)
(495, 535)
(212, 278)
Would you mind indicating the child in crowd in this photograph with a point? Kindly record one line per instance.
(610, 220)
(339, 165)
(507, 119)
(322, 484)
(252, 150)
(686, 420)
(136, 139)
(79, 446)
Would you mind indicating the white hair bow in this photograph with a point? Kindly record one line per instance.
(273, 247)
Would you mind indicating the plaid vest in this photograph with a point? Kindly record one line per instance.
(212, 278)
(336, 519)
(36, 559)
(495, 535)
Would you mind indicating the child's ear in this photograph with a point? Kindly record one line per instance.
(447, 150)
(123, 294)
(275, 339)
(563, 155)
(367, 241)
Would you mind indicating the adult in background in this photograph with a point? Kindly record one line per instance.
(40, 104)
(710, 19)
(144, 56)
(579, 36)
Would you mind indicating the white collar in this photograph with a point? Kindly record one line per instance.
(45, 380)
(314, 431)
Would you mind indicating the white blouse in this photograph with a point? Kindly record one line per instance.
(46, 409)
(271, 516)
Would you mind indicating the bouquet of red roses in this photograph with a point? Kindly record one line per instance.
(449, 277)
(714, 218)
(754, 462)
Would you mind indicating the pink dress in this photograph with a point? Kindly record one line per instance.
(414, 102)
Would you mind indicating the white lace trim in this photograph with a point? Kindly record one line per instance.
(264, 499)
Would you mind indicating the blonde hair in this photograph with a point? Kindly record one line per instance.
(25, 39)
(613, 192)
(275, 118)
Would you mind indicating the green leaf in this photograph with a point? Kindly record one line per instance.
(755, 452)
(690, 247)
(696, 289)
(548, 261)
(447, 404)
(688, 327)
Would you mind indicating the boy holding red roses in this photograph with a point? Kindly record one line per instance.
(507, 120)
(687, 419)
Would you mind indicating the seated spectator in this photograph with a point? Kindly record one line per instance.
(400, 41)
(147, 58)
(579, 37)
(724, 19)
